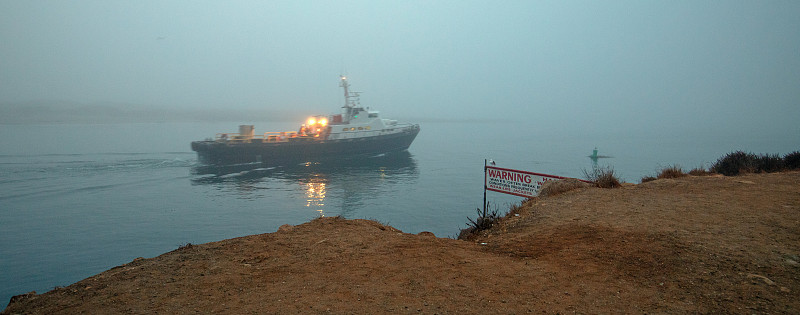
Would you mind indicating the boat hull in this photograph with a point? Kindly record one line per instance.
(300, 150)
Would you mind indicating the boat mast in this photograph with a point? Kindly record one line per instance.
(345, 85)
(350, 102)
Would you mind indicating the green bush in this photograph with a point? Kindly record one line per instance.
(792, 160)
(734, 163)
(769, 163)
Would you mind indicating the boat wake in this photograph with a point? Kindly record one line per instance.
(52, 174)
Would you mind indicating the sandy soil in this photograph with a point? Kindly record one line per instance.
(695, 244)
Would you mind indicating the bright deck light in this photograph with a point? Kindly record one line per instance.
(311, 121)
(323, 122)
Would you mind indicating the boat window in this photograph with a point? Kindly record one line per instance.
(360, 128)
(373, 115)
(344, 129)
(368, 127)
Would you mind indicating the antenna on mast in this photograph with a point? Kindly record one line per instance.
(343, 83)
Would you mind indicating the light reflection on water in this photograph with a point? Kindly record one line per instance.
(316, 197)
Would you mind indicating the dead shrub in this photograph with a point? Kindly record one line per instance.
(602, 177)
(699, 171)
(674, 171)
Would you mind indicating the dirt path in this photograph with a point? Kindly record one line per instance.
(694, 244)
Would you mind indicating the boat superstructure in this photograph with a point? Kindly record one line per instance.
(355, 132)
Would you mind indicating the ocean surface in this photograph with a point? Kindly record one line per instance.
(76, 200)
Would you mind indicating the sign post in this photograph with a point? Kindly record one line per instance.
(484, 185)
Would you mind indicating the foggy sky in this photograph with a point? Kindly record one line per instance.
(593, 65)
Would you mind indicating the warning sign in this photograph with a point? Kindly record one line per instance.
(514, 182)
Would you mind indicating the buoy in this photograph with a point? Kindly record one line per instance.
(595, 156)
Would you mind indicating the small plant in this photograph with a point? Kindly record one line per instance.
(792, 160)
(734, 163)
(769, 163)
(674, 171)
(484, 221)
(602, 177)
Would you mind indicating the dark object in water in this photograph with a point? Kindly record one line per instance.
(594, 155)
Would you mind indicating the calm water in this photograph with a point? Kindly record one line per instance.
(76, 200)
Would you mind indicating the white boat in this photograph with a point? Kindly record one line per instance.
(355, 132)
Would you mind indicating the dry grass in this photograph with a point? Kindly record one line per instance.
(648, 179)
(673, 171)
(552, 188)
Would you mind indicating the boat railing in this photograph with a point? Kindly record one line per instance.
(266, 137)
(364, 133)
